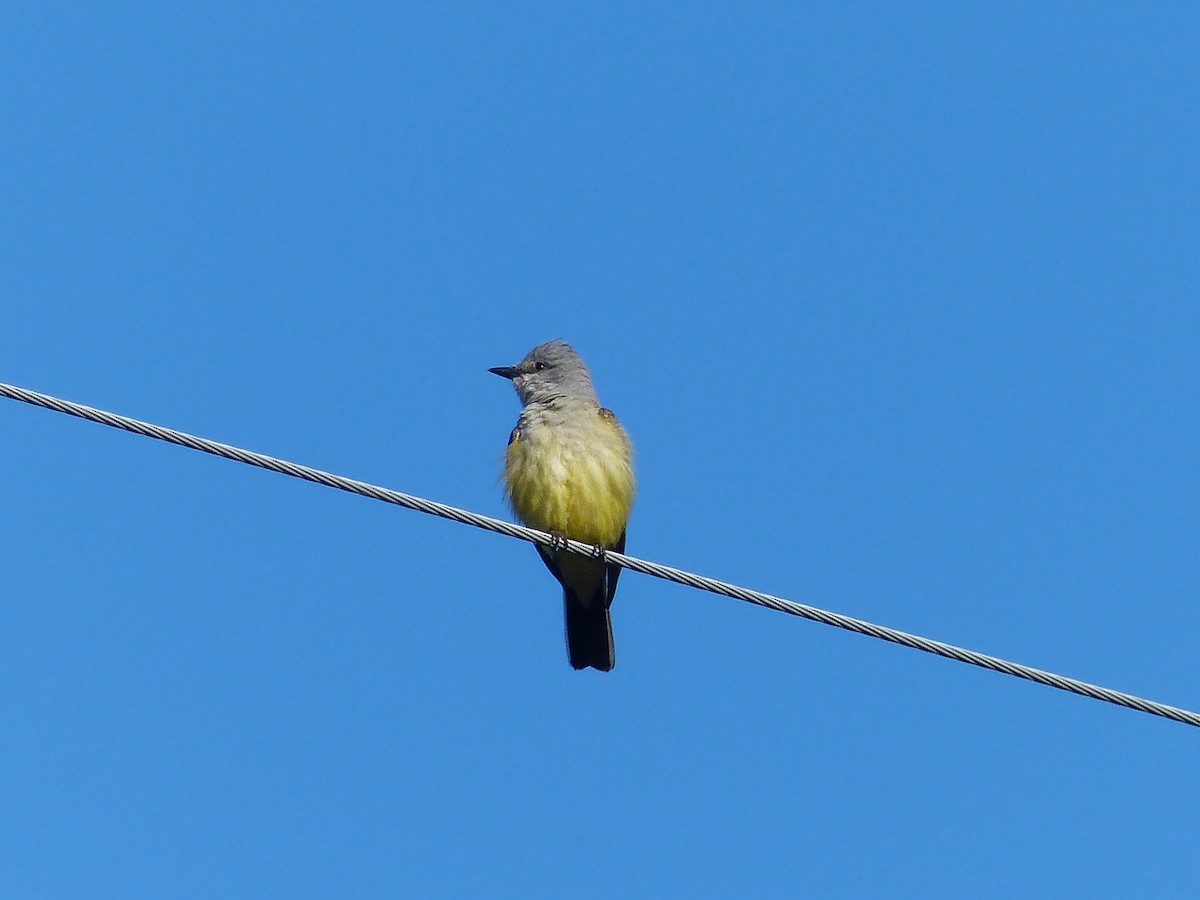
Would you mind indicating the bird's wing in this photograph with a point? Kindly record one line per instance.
(614, 572)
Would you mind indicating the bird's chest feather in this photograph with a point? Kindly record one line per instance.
(572, 477)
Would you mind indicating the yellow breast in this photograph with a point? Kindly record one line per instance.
(569, 470)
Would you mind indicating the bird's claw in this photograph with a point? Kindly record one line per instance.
(558, 543)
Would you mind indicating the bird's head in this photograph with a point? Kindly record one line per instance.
(549, 370)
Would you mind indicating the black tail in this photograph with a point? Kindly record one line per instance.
(589, 630)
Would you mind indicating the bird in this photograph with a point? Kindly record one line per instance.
(568, 470)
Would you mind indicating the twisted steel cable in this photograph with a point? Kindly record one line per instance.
(837, 620)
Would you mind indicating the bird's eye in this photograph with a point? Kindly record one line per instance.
(538, 367)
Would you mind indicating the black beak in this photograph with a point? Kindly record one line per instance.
(508, 372)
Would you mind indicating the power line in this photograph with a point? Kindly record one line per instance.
(678, 576)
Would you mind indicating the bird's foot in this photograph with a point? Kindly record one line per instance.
(557, 542)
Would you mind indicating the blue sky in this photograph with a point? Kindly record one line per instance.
(898, 302)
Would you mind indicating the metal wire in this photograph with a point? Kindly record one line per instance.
(678, 576)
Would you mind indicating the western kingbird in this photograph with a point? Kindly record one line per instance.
(569, 471)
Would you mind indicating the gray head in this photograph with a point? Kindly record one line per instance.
(549, 370)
